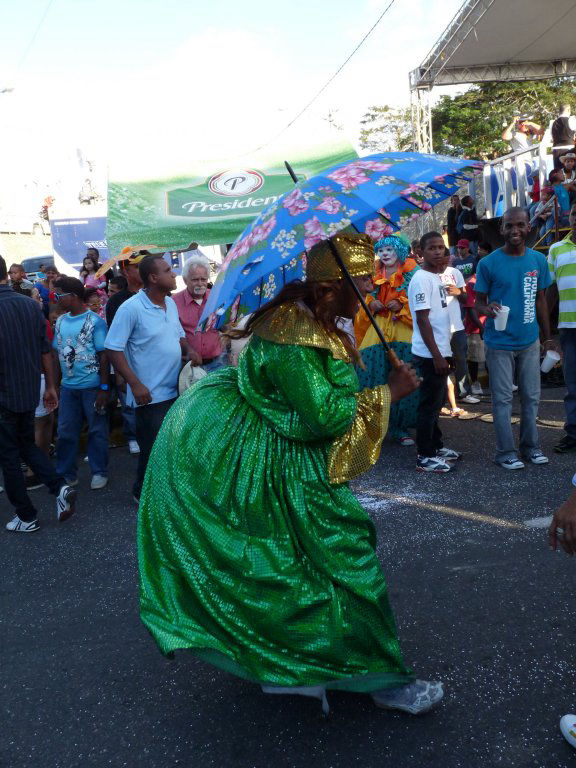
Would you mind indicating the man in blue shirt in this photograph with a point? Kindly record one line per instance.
(516, 277)
(79, 337)
(146, 344)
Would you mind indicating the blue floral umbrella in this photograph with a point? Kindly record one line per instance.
(378, 195)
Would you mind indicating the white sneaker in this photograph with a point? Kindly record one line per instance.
(537, 457)
(432, 464)
(476, 388)
(511, 464)
(21, 527)
(98, 482)
(447, 454)
(65, 503)
(133, 446)
(568, 729)
(470, 399)
(416, 698)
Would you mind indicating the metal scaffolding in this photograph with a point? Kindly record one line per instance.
(421, 119)
(495, 40)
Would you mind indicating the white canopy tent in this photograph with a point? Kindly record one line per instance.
(502, 40)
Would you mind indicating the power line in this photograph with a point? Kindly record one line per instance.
(35, 35)
(327, 83)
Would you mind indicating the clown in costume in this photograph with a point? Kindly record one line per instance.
(394, 270)
(253, 552)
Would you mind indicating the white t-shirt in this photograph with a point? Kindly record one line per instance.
(426, 291)
(453, 276)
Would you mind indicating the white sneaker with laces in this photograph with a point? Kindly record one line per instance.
(98, 482)
(133, 446)
(537, 457)
(511, 464)
(432, 464)
(21, 527)
(448, 454)
(65, 503)
(470, 400)
(476, 388)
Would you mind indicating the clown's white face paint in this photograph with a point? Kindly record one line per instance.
(387, 256)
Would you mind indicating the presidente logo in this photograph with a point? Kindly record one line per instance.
(228, 193)
(235, 183)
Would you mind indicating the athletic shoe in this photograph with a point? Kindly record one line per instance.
(86, 459)
(32, 483)
(537, 457)
(511, 464)
(447, 454)
(133, 446)
(416, 698)
(21, 527)
(71, 481)
(514, 388)
(476, 388)
(406, 441)
(432, 464)
(65, 503)
(469, 399)
(565, 445)
(568, 729)
(98, 482)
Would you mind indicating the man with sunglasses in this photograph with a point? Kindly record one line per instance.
(24, 355)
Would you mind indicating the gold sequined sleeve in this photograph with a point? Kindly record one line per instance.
(354, 452)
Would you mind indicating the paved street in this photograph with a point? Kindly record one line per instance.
(481, 604)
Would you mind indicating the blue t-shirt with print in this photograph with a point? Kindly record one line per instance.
(78, 340)
(513, 281)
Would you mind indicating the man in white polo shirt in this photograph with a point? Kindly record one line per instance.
(146, 344)
(562, 265)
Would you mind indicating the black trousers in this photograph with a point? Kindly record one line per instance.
(17, 445)
(432, 395)
(149, 419)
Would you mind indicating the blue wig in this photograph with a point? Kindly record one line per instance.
(400, 245)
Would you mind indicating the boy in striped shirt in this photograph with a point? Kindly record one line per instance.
(562, 264)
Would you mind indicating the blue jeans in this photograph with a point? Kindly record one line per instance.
(568, 342)
(128, 417)
(218, 362)
(74, 405)
(501, 365)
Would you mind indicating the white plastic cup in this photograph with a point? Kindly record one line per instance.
(501, 318)
(550, 360)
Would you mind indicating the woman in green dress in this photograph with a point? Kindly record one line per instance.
(253, 551)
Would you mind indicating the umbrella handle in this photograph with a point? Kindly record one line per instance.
(392, 356)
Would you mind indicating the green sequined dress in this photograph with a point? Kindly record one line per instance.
(252, 551)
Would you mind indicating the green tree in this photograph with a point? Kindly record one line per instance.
(471, 123)
(386, 129)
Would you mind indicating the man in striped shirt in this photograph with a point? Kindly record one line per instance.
(562, 264)
(24, 354)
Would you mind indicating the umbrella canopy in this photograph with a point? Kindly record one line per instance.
(377, 195)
